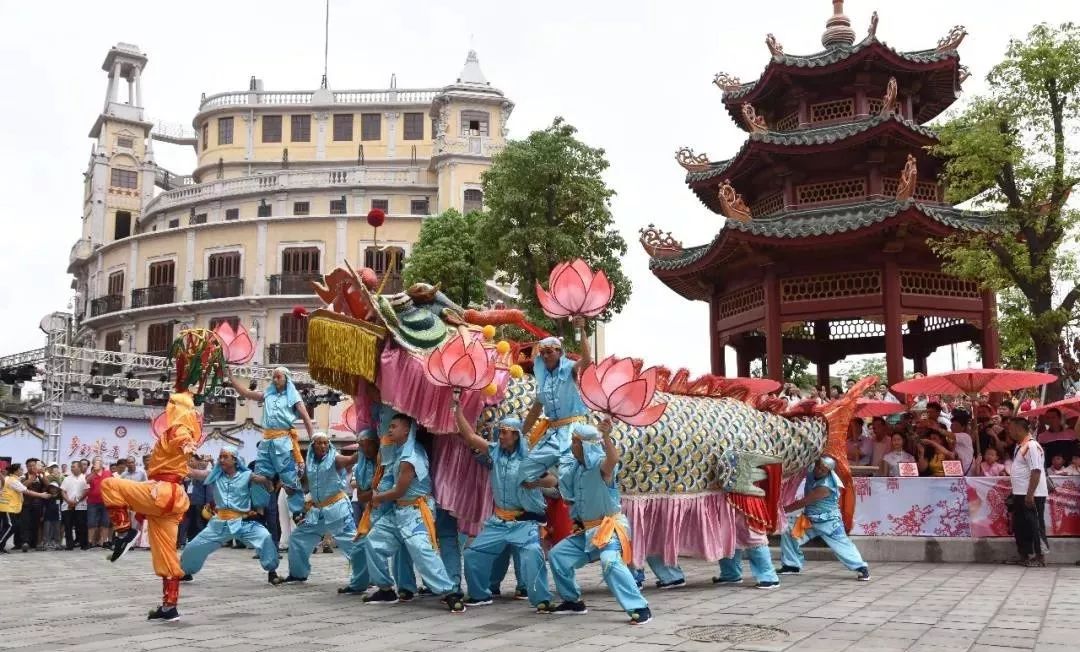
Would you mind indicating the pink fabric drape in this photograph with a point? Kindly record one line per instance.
(462, 485)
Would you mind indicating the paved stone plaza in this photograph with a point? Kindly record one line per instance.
(76, 600)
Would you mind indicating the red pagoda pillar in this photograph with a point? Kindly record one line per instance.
(774, 336)
(821, 334)
(894, 339)
(991, 344)
(716, 346)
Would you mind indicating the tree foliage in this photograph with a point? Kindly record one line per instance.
(1008, 150)
(795, 371)
(859, 369)
(447, 253)
(546, 203)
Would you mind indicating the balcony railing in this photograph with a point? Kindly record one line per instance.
(106, 304)
(278, 98)
(217, 288)
(161, 354)
(287, 353)
(293, 283)
(284, 180)
(155, 295)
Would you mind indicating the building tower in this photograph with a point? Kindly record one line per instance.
(829, 207)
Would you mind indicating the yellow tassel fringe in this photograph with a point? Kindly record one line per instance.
(340, 354)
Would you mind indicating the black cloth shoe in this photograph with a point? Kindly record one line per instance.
(274, 578)
(862, 574)
(122, 542)
(455, 602)
(382, 596)
(670, 585)
(187, 578)
(521, 593)
(545, 607)
(568, 608)
(405, 596)
(163, 614)
(424, 592)
(348, 590)
(640, 616)
(293, 580)
(478, 602)
(788, 570)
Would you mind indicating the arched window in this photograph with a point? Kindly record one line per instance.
(474, 201)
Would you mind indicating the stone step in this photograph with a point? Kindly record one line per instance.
(943, 550)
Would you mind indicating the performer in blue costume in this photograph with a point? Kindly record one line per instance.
(557, 405)
(363, 476)
(820, 518)
(330, 511)
(755, 547)
(279, 454)
(409, 523)
(516, 521)
(231, 482)
(603, 532)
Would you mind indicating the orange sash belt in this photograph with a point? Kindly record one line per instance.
(605, 528)
(426, 515)
(330, 501)
(364, 526)
(800, 526)
(543, 424)
(508, 514)
(291, 433)
(229, 514)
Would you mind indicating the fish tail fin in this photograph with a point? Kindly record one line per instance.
(838, 415)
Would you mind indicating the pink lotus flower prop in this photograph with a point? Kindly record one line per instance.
(159, 424)
(350, 420)
(574, 290)
(237, 344)
(615, 388)
(455, 364)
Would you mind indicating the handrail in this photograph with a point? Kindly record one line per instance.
(360, 96)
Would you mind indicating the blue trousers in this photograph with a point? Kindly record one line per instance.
(335, 520)
(664, 573)
(450, 545)
(760, 565)
(275, 459)
(832, 533)
(577, 550)
(360, 573)
(523, 537)
(501, 565)
(217, 532)
(402, 529)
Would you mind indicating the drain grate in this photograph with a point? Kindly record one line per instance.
(732, 633)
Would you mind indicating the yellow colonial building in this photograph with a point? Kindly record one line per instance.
(280, 192)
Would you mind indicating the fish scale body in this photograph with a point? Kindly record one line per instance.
(697, 443)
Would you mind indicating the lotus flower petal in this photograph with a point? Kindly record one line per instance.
(463, 373)
(433, 368)
(160, 423)
(570, 286)
(647, 417)
(591, 390)
(629, 399)
(549, 305)
(617, 375)
(604, 365)
(600, 294)
(241, 349)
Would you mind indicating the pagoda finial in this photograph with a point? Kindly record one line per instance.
(838, 30)
(775, 48)
(726, 82)
(732, 205)
(690, 161)
(952, 40)
(872, 32)
(889, 103)
(755, 122)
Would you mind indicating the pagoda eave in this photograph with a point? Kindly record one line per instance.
(806, 230)
(780, 71)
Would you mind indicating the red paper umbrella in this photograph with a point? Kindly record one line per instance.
(870, 408)
(974, 381)
(574, 290)
(615, 388)
(461, 366)
(1069, 407)
(237, 344)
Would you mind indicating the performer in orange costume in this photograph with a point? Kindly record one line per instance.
(162, 500)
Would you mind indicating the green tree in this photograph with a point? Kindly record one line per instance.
(547, 203)
(1008, 151)
(859, 369)
(795, 371)
(447, 253)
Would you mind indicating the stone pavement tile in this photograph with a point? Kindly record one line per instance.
(901, 630)
(1060, 635)
(578, 647)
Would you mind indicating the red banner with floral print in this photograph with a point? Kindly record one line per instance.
(954, 507)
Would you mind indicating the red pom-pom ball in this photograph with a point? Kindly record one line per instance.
(299, 312)
(376, 217)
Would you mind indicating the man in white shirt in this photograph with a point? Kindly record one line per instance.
(965, 445)
(131, 472)
(73, 490)
(1028, 493)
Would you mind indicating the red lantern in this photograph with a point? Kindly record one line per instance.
(299, 312)
(376, 217)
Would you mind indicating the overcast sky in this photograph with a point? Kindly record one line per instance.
(634, 76)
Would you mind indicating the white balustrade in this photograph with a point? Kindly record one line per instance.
(279, 98)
